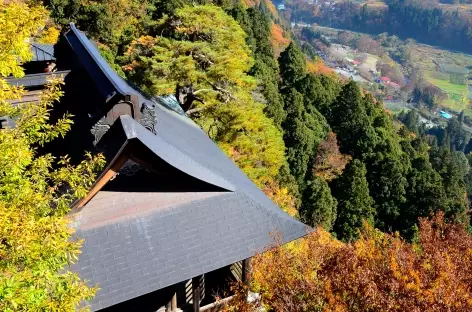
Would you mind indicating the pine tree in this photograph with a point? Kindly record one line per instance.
(318, 205)
(452, 167)
(302, 134)
(319, 91)
(350, 122)
(354, 202)
(388, 186)
(292, 63)
(256, 24)
(425, 194)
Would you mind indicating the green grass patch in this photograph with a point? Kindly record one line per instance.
(395, 107)
(439, 75)
(458, 95)
(445, 85)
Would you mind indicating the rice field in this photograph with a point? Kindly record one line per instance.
(458, 95)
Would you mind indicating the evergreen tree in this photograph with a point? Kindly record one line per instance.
(240, 14)
(319, 91)
(425, 194)
(410, 120)
(318, 205)
(350, 122)
(256, 24)
(452, 167)
(292, 63)
(387, 185)
(266, 71)
(459, 137)
(302, 134)
(354, 202)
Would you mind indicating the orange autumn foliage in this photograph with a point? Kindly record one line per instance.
(318, 67)
(329, 162)
(250, 3)
(278, 40)
(269, 4)
(378, 272)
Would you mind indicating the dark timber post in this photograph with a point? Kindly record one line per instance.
(246, 271)
(196, 293)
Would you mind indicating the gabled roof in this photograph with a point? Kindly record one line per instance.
(138, 241)
(109, 83)
(42, 52)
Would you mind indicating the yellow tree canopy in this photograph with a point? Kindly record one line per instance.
(35, 244)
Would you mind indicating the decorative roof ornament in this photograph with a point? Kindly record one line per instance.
(148, 117)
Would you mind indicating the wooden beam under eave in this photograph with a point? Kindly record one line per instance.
(106, 176)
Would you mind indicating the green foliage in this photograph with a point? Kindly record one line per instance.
(249, 138)
(111, 22)
(452, 167)
(267, 74)
(387, 185)
(459, 137)
(197, 51)
(349, 120)
(425, 194)
(354, 202)
(318, 205)
(256, 24)
(18, 22)
(319, 91)
(292, 63)
(411, 120)
(110, 57)
(36, 191)
(216, 61)
(302, 134)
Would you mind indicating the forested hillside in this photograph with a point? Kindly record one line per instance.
(428, 22)
(322, 148)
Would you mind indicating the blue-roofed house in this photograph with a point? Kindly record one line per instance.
(171, 220)
(445, 115)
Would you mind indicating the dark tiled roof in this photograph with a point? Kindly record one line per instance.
(35, 80)
(42, 52)
(136, 243)
(139, 242)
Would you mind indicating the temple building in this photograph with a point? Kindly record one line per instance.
(171, 221)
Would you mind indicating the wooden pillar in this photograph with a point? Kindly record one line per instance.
(196, 293)
(246, 271)
(173, 303)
